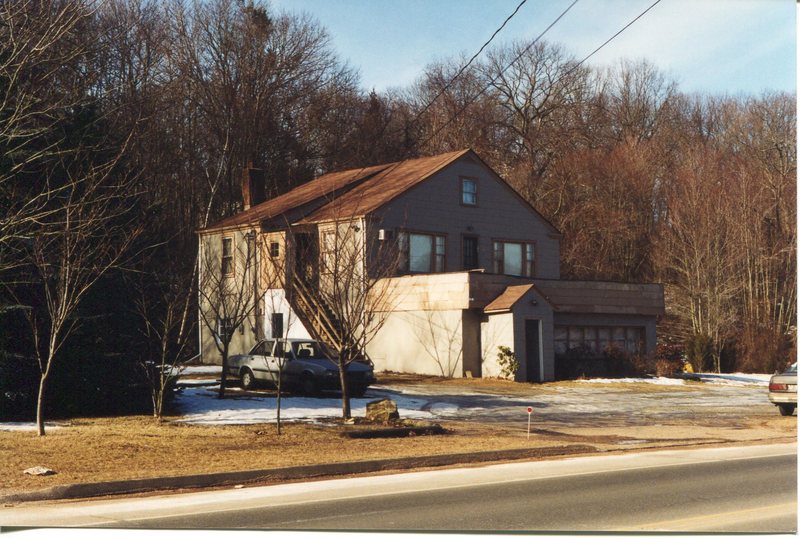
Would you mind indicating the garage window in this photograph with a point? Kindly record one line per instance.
(595, 340)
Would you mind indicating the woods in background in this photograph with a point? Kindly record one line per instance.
(127, 123)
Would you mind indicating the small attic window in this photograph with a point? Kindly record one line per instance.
(469, 192)
(274, 249)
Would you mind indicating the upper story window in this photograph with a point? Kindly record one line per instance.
(328, 255)
(227, 256)
(513, 258)
(469, 192)
(421, 253)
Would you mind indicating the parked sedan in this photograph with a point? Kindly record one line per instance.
(307, 366)
(783, 390)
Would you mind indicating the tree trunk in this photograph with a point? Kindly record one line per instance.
(345, 392)
(224, 377)
(40, 406)
(278, 402)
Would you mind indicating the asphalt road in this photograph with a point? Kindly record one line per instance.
(743, 489)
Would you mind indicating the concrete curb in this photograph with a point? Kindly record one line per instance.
(89, 490)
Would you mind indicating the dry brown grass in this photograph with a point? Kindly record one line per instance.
(106, 449)
(136, 447)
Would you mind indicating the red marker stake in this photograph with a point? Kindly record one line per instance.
(530, 411)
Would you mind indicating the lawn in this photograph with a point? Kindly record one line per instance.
(480, 415)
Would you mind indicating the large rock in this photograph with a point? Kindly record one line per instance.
(383, 410)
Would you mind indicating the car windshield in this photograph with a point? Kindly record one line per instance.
(312, 350)
(792, 369)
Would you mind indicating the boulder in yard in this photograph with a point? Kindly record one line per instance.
(382, 410)
(39, 470)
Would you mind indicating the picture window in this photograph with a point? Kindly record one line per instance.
(513, 258)
(421, 253)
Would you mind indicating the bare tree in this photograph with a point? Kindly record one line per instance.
(225, 289)
(42, 44)
(440, 337)
(86, 232)
(166, 329)
(348, 291)
(701, 249)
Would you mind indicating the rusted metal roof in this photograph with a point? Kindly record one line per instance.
(505, 301)
(324, 187)
(349, 193)
(393, 180)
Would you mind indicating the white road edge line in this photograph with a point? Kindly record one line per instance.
(259, 502)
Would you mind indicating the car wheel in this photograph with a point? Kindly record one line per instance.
(248, 381)
(308, 386)
(786, 409)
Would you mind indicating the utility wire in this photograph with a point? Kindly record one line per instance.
(568, 72)
(525, 50)
(464, 68)
(609, 40)
(417, 116)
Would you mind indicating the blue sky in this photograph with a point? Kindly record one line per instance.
(709, 46)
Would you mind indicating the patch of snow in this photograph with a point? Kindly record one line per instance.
(662, 381)
(202, 369)
(198, 382)
(443, 408)
(732, 379)
(201, 406)
(24, 426)
(735, 379)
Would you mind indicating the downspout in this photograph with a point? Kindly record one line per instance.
(365, 276)
(256, 299)
(199, 298)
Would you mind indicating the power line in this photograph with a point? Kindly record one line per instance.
(464, 68)
(568, 72)
(609, 40)
(417, 116)
(525, 50)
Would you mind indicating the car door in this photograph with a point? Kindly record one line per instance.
(258, 360)
(276, 360)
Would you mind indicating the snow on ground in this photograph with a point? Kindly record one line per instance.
(657, 381)
(25, 426)
(734, 379)
(201, 406)
(198, 403)
(202, 369)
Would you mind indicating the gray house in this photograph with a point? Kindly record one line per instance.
(477, 267)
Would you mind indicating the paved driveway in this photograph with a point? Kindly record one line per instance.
(591, 404)
(611, 412)
(614, 412)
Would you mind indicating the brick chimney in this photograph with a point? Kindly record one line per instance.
(253, 192)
